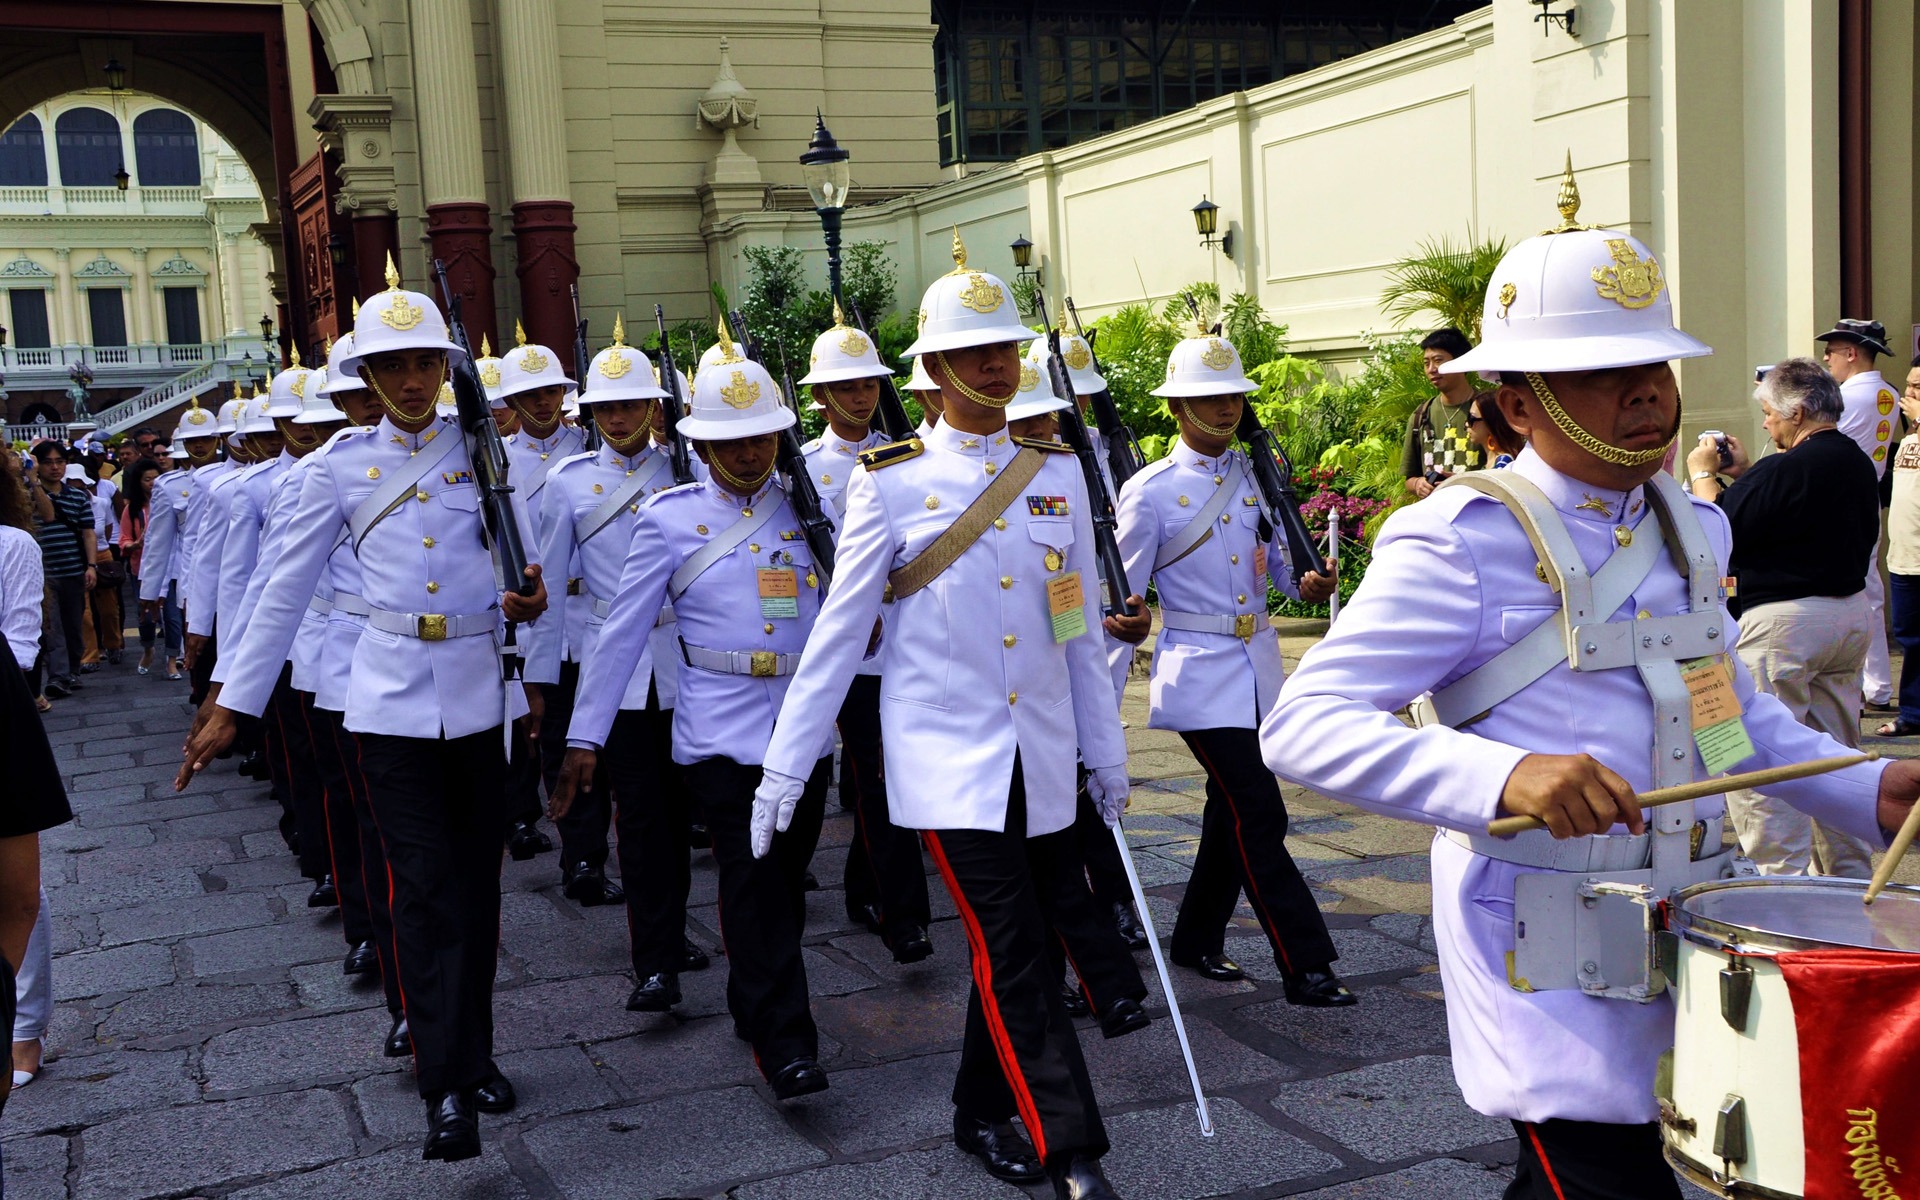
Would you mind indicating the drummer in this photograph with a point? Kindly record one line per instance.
(1580, 335)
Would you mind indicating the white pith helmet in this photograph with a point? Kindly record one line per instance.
(288, 389)
(620, 372)
(230, 411)
(258, 417)
(843, 353)
(1576, 298)
(734, 398)
(398, 320)
(316, 407)
(686, 385)
(1078, 356)
(178, 450)
(527, 366)
(967, 308)
(1204, 366)
(197, 421)
(487, 366)
(708, 357)
(339, 379)
(920, 381)
(444, 400)
(1036, 394)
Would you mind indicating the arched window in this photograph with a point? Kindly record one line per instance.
(23, 155)
(89, 144)
(165, 149)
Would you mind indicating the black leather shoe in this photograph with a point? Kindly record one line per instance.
(1080, 1178)
(867, 915)
(912, 946)
(588, 886)
(698, 838)
(1132, 932)
(525, 841)
(1004, 1153)
(658, 992)
(452, 1132)
(361, 960)
(1123, 1016)
(693, 957)
(399, 1043)
(1074, 999)
(254, 766)
(494, 1095)
(801, 1077)
(809, 884)
(324, 894)
(1318, 989)
(1212, 966)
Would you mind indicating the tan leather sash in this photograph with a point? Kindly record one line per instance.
(925, 567)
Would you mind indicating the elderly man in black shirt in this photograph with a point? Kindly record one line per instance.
(1805, 522)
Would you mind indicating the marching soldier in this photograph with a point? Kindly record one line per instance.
(426, 702)
(719, 550)
(1192, 525)
(590, 507)
(169, 527)
(980, 551)
(206, 528)
(886, 885)
(1579, 329)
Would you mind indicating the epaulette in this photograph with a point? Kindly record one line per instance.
(891, 453)
(1044, 444)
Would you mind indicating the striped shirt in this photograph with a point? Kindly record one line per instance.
(60, 538)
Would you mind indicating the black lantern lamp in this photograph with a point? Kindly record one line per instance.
(116, 75)
(337, 250)
(1206, 219)
(825, 167)
(120, 177)
(1023, 257)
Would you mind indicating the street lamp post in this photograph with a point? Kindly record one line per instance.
(825, 168)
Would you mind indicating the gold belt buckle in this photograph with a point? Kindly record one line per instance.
(1243, 626)
(763, 665)
(433, 627)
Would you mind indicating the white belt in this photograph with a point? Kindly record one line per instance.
(761, 664)
(352, 605)
(320, 604)
(433, 627)
(1539, 848)
(599, 609)
(1240, 625)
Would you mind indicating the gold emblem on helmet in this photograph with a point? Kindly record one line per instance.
(853, 345)
(923, 319)
(533, 362)
(1078, 356)
(299, 385)
(741, 392)
(981, 295)
(615, 366)
(490, 374)
(402, 314)
(1631, 281)
(1218, 356)
(1029, 377)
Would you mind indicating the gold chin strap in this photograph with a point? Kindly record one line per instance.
(302, 440)
(1606, 452)
(394, 410)
(634, 442)
(953, 377)
(825, 393)
(735, 484)
(1219, 431)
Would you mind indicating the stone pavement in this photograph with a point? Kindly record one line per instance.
(206, 1044)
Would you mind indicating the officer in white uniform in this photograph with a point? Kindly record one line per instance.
(169, 537)
(426, 701)
(534, 386)
(729, 555)
(207, 515)
(587, 516)
(1193, 524)
(991, 669)
(1870, 405)
(885, 881)
(1579, 328)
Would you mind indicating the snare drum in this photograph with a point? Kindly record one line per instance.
(1730, 1107)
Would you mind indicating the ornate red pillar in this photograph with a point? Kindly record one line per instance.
(460, 235)
(548, 270)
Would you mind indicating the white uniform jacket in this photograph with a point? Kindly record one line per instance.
(240, 552)
(1869, 405)
(575, 491)
(164, 552)
(1204, 680)
(530, 464)
(717, 714)
(214, 494)
(282, 498)
(343, 591)
(427, 557)
(971, 677)
(830, 462)
(1452, 584)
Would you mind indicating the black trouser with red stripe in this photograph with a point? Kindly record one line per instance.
(338, 830)
(583, 831)
(1098, 851)
(355, 839)
(1021, 1054)
(883, 861)
(1589, 1160)
(440, 807)
(523, 775)
(296, 775)
(652, 809)
(763, 907)
(1085, 937)
(1243, 845)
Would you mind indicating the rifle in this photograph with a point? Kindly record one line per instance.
(891, 412)
(1073, 431)
(1124, 457)
(582, 358)
(801, 493)
(673, 405)
(1273, 475)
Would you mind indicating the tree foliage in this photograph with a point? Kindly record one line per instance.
(1445, 281)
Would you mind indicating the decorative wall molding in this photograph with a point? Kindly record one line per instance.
(103, 268)
(24, 268)
(178, 267)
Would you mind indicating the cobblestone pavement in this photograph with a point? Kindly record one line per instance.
(206, 1043)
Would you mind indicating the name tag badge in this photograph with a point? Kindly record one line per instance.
(779, 592)
(1718, 728)
(1066, 606)
(1259, 562)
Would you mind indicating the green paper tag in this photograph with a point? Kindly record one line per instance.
(779, 592)
(1067, 606)
(1723, 745)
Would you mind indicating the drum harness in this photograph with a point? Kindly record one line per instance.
(1589, 923)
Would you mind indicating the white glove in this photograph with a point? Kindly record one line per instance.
(1107, 787)
(773, 804)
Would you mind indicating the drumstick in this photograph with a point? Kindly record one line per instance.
(1506, 826)
(1895, 853)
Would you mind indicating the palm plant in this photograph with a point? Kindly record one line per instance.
(1446, 280)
